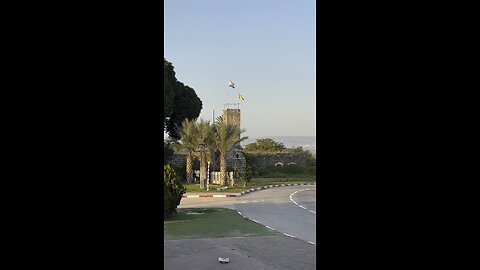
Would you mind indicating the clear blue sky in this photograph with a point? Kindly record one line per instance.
(266, 47)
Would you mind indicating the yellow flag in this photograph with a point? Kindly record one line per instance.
(240, 97)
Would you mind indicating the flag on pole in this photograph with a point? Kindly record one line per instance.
(231, 84)
(240, 97)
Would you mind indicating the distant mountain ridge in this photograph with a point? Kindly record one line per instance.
(306, 142)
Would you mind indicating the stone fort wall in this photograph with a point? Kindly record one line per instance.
(236, 159)
(263, 160)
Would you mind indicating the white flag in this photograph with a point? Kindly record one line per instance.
(231, 84)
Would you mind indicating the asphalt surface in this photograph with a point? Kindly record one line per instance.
(294, 215)
(266, 252)
(288, 210)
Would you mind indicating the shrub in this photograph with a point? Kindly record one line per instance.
(311, 170)
(311, 160)
(286, 169)
(252, 165)
(181, 171)
(246, 176)
(292, 169)
(173, 190)
(167, 197)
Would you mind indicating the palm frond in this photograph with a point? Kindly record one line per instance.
(226, 135)
(188, 133)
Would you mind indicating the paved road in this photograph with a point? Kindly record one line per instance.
(264, 252)
(290, 210)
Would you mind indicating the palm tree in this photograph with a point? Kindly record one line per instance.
(226, 136)
(188, 141)
(203, 137)
(211, 147)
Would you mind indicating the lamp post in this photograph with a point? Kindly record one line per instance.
(234, 172)
(208, 174)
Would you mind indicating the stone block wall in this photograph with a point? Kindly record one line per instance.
(264, 160)
(178, 159)
(236, 159)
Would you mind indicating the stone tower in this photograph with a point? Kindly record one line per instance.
(235, 158)
(232, 116)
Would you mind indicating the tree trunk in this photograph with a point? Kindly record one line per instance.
(223, 169)
(203, 169)
(189, 172)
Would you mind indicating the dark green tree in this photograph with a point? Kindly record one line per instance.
(180, 102)
(169, 86)
(265, 145)
(167, 152)
(173, 191)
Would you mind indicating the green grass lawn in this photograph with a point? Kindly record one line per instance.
(256, 182)
(195, 223)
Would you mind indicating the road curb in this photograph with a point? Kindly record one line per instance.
(241, 193)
